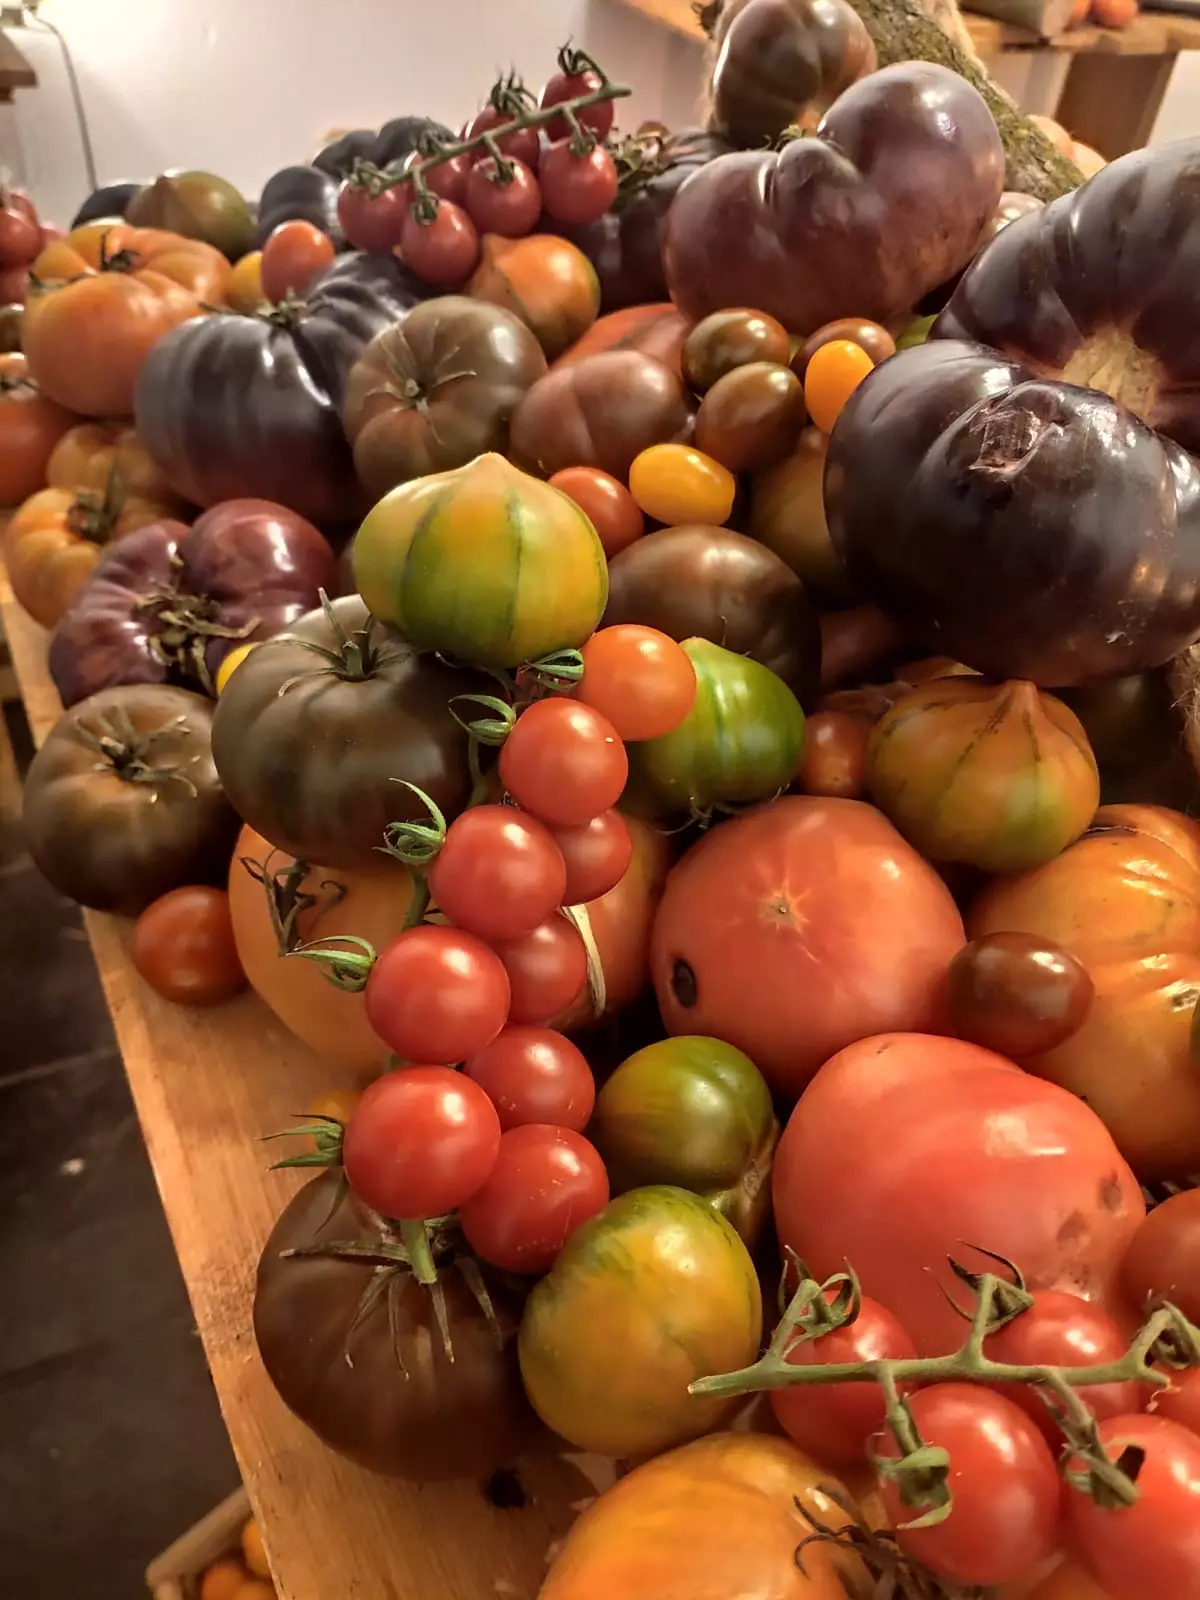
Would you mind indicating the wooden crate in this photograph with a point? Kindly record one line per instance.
(175, 1574)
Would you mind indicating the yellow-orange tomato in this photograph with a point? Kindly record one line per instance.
(223, 1579)
(231, 663)
(833, 373)
(292, 257)
(676, 484)
(639, 678)
(245, 291)
(88, 454)
(30, 427)
(252, 1549)
(337, 1103)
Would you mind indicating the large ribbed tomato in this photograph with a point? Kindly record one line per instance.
(798, 928)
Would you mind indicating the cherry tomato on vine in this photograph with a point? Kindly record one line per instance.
(373, 222)
(1153, 1546)
(545, 1183)
(183, 947)
(577, 77)
(1004, 1483)
(834, 1422)
(676, 483)
(546, 970)
(499, 873)
(421, 1142)
(504, 200)
(597, 855)
(436, 994)
(612, 510)
(1181, 1402)
(1163, 1259)
(834, 760)
(448, 180)
(639, 678)
(523, 144)
(535, 1075)
(577, 188)
(563, 762)
(833, 373)
(294, 255)
(444, 250)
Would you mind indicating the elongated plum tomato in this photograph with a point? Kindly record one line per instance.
(563, 762)
(420, 1142)
(545, 1183)
(833, 373)
(639, 678)
(437, 994)
(597, 854)
(499, 873)
(533, 1074)
(676, 484)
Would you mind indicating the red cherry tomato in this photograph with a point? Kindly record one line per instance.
(597, 854)
(294, 254)
(834, 759)
(1153, 1546)
(535, 1075)
(639, 678)
(183, 946)
(443, 250)
(436, 994)
(499, 873)
(546, 970)
(576, 80)
(563, 762)
(524, 144)
(420, 1142)
(504, 200)
(1003, 1480)
(1181, 1402)
(545, 1183)
(448, 180)
(612, 510)
(373, 222)
(1163, 1259)
(20, 237)
(834, 1422)
(577, 188)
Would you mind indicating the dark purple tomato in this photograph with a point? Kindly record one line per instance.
(1017, 994)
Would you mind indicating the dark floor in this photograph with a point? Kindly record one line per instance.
(112, 1443)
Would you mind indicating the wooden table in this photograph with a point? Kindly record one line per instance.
(1115, 79)
(206, 1086)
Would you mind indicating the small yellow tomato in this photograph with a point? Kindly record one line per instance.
(245, 291)
(833, 373)
(232, 662)
(253, 1553)
(676, 484)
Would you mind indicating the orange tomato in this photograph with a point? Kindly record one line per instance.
(608, 504)
(294, 254)
(676, 484)
(222, 1580)
(30, 427)
(1066, 1582)
(834, 759)
(833, 373)
(639, 678)
(245, 291)
(87, 456)
(1089, 161)
(337, 1103)
(1054, 131)
(255, 1589)
(1115, 13)
(252, 1549)
(654, 330)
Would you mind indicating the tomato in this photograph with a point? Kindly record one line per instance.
(833, 373)
(1163, 1259)
(245, 291)
(448, 180)
(612, 510)
(183, 946)
(443, 250)
(421, 1142)
(546, 970)
(835, 1422)
(834, 760)
(575, 80)
(294, 255)
(752, 417)
(436, 994)
(546, 1182)
(725, 340)
(523, 144)
(869, 336)
(373, 222)
(577, 189)
(337, 1104)
(252, 1549)
(676, 484)
(502, 199)
(976, 1150)
(1017, 994)
(30, 428)
(1181, 1402)
(20, 238)
(639, 679)
(597, 854)
(255, 1589)
(1061, 1330)
(231, 663)
(563, 762)
(222, 1580)
(535, 1075)
(498, 874)
(1066, 1582)
(1153, 1546)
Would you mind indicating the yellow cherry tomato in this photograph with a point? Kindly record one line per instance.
(232, 662)
(674, 483)
(253, 1553)
(831, 377)
(245, 291)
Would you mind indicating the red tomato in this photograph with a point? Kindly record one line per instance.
(420, 1142)
(577, 189)
(546, 1182)
(612, 510)
(183, 946)
(445, 250)
(563, 762)
(639, 678)
(524, 144)
(436, 994)
(596, 855)
(1005, 1487)
(798, 928)
(833, 1422)
(499, 873)
(1061, 1330)
(1151, 1548)
(576, 80)
(1181, 1402)
(535, 1075)
(546, 970)
(448, 180)
(20, 238)
(373, 222)
(504, 200)
(905, 1145)
(14, 285)
(1163, 1260)
(293, 256)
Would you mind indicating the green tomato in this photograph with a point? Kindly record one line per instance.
(693, 1112)
(916, 333)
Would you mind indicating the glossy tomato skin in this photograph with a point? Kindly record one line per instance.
(183, 946)
(834, 760)
(1163, 1259)
(799, 927)
(752, 417)
(545, 1183)
(444, 249)
(504, 200)
(612, 510)
(546, 970)
(563, 763)
(295, 254)
(975, 1150)
(1004, 1483)
(1181, 1402)
(522, 144)
(597, 855)
(577, 189)
(573, 86)
(372, 222)
(499, 873)
(1017, 994)
(535, 1075)
(437, 995)
(639, 678)
(725, 340)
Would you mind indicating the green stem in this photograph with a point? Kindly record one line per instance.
(420, 1257)
(419, 904)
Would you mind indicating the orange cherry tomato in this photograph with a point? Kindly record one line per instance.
(612, 510)
(676, 484)
(223, 1579)
(337, 1103)
(834, 759)
(833, 373)
(294, 254)
(245, 291)
(638, 678)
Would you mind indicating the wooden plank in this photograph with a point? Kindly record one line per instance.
(207, 1086)
(1112, 102)
(15, 71)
